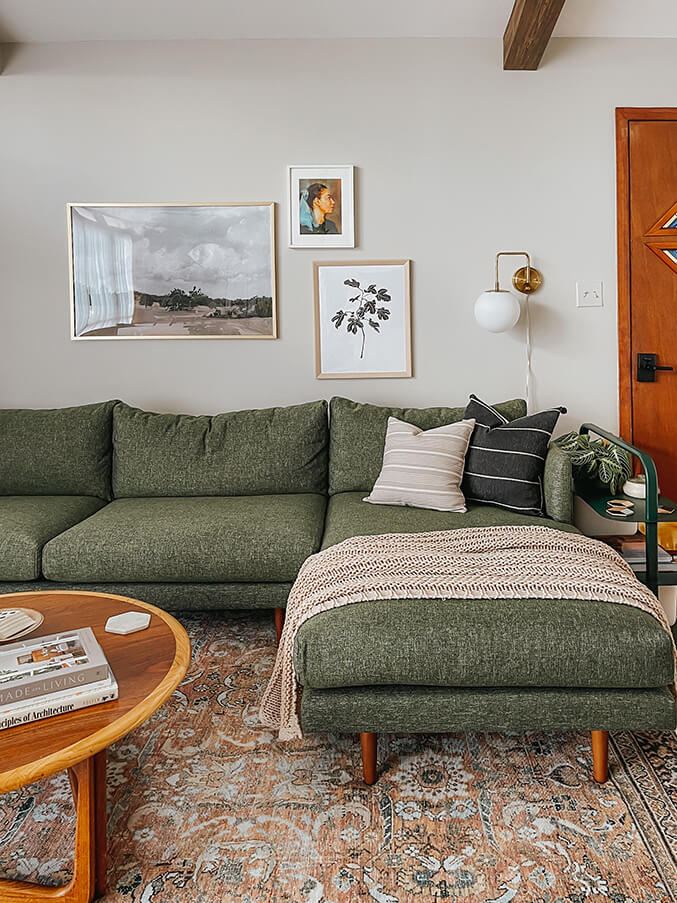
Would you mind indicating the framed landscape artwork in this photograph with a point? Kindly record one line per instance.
(362, 319)
(172, 271)
(321, 207)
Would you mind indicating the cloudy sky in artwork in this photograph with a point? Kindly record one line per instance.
(224, 251)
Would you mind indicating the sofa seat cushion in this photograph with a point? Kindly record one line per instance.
(471, 642)
(179, 540)
(28, 522)
(483, 643)
(348, 515)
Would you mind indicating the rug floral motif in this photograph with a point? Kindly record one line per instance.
(205, 806)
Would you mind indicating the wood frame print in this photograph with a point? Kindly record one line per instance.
(172, 270)
(362, 319)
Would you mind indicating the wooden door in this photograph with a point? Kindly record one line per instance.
(647, 285)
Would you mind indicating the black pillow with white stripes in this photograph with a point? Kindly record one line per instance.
(505, 459)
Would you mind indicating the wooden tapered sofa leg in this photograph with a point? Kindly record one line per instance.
(368, 742)
(600, 756)
(279, 624)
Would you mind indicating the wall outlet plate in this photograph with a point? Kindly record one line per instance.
(589, 294)
(128, 622)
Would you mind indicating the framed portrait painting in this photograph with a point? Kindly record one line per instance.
(172, 271)
(362, 319)
(321, 207)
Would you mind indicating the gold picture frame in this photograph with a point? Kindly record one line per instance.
(337, 359)
(251, 317)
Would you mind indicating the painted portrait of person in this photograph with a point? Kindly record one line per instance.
(320, 207)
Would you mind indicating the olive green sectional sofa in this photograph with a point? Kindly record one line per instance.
(220, 512)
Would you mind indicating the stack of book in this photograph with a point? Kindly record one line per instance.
(633, 550)
(51, 675)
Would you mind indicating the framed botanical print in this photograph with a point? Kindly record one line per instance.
(362, 319)
(321, 207)
(172, 271)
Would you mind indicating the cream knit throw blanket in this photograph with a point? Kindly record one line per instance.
(474, 563)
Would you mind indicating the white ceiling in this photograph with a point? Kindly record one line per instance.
(113, 20)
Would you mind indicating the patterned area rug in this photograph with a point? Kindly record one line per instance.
(205, 807)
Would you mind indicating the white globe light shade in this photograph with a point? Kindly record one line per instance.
(497, 310)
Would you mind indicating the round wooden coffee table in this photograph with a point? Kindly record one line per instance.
(148, 667)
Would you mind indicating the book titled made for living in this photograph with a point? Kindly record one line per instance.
(59, 703)
(57, 663)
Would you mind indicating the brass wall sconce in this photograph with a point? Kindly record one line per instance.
(497, 309)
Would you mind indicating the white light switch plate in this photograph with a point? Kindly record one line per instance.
(589, 294)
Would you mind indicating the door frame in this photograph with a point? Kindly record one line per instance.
(624, 116)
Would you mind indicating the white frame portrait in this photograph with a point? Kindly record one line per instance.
(346, 238)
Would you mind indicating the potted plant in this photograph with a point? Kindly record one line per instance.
(596, 461)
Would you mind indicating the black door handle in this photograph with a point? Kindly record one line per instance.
(647, 366)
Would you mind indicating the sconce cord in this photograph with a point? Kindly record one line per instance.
(527, 387)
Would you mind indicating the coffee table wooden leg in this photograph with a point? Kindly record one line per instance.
(90, 828)
(83, 859)
(100, 824)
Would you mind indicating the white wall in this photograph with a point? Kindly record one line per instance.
(456, 158)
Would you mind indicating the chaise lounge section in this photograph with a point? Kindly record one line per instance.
(429, 665)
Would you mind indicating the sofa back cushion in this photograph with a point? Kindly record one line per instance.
(358, 432)
(259, 452)
(60, 451)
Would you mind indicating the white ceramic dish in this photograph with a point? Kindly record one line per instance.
(37, 616)
(635, 487)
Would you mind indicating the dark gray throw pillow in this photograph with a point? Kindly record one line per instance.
(505, 459)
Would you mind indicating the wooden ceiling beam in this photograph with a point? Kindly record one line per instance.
(528, 31)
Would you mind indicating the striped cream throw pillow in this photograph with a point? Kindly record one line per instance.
(423, 468)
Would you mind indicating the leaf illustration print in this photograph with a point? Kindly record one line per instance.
(370, 301)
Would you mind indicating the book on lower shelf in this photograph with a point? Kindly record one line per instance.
(664, 567)
(38, 666)
(51, 704)
(633, 550)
